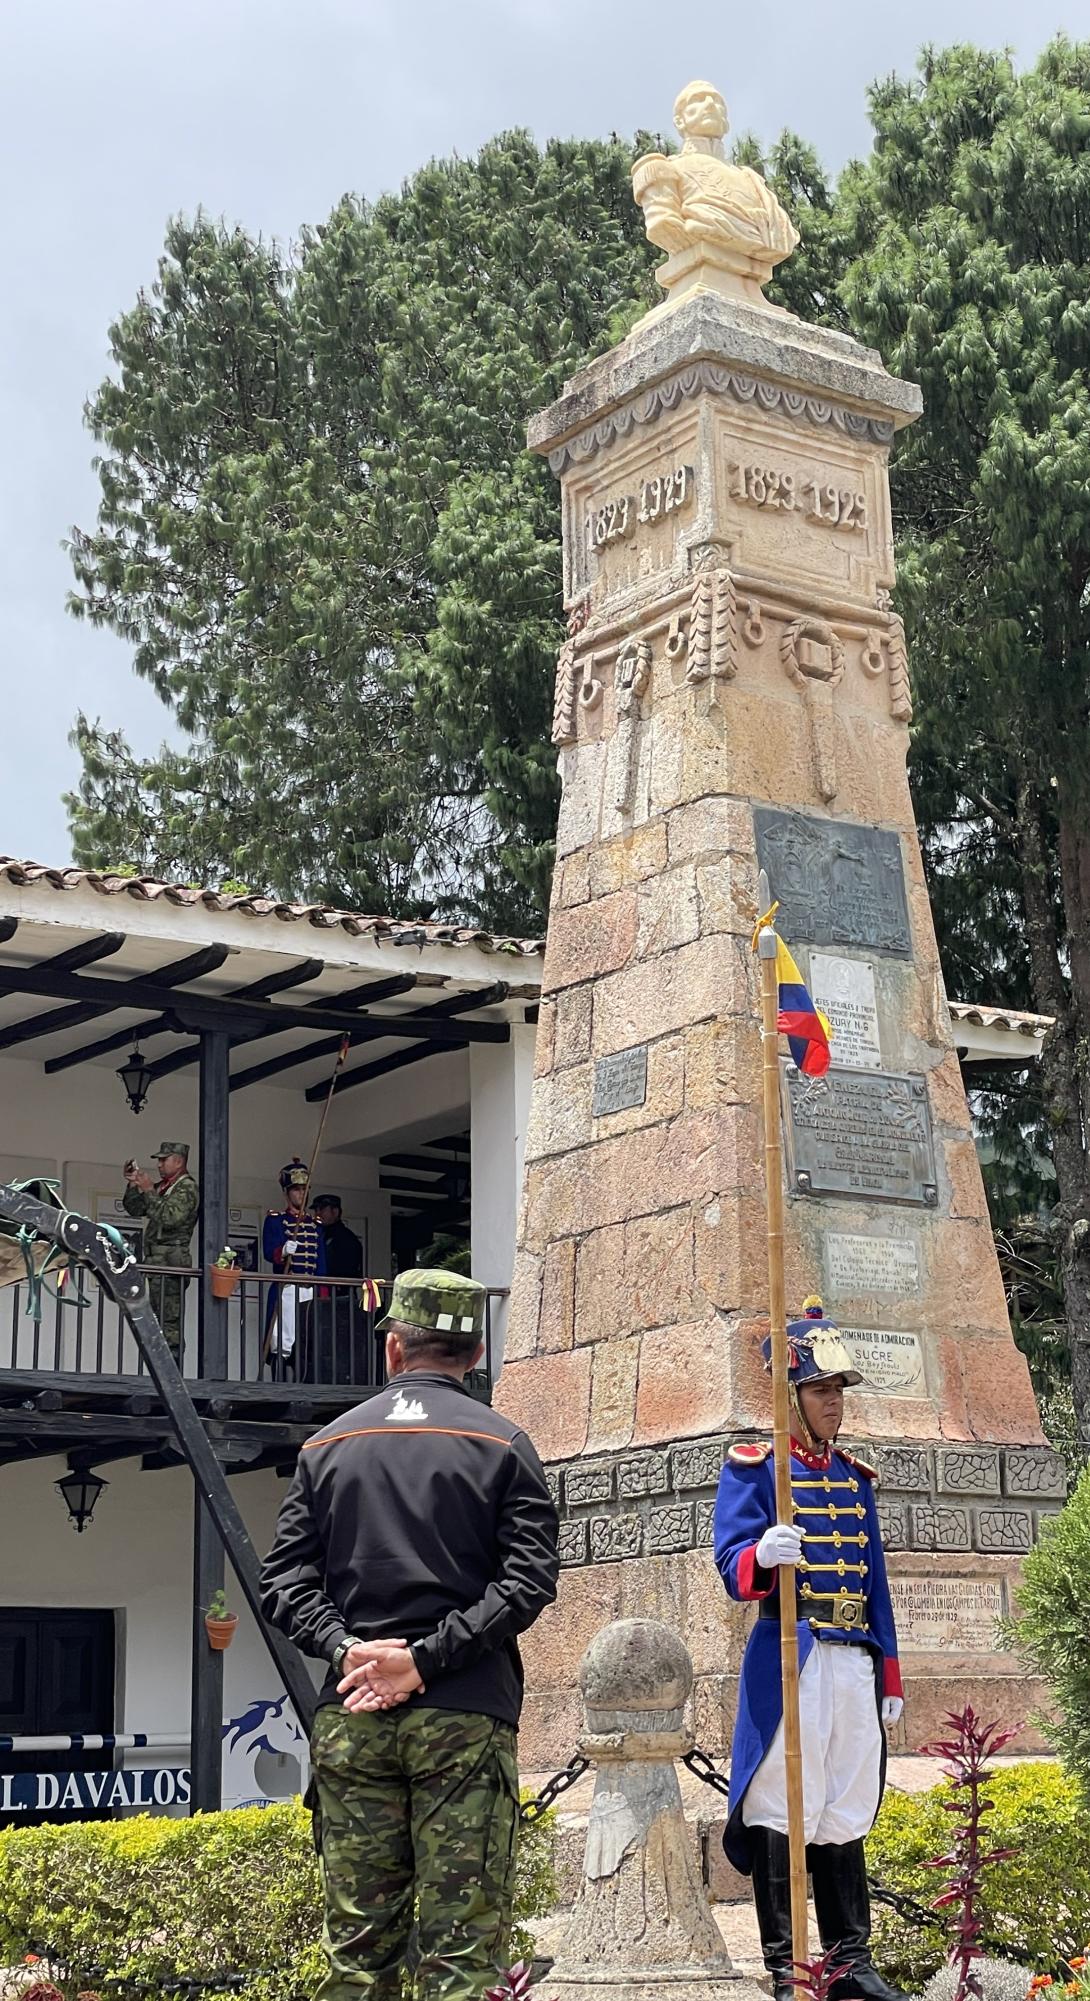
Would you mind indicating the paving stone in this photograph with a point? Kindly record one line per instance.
(939, 1526)
(1008, 1529)
(642, 1473)
(967, 1472)
(573, 1542)
(669, 1529)
(613, 1537)
(586, 1485)
(1034, 1472)
(695, 1465)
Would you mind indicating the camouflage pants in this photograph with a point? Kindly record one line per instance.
(167, 1299)
(417, 1815)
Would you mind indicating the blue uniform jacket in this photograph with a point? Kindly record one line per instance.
(283, 1226)
(834, 1505)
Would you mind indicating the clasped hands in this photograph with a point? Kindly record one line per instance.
(378, 1674)
(782, 1544)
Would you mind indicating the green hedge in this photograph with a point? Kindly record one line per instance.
(1037, 1904)
(234, 1892)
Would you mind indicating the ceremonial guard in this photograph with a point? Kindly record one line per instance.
(294, 1244)
(832, 1562)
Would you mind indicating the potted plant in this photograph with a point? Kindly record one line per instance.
(225, 1274)
(219, 1623)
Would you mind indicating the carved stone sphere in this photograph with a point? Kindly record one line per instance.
(636, 1664)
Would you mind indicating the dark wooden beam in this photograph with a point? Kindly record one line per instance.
(292, 976)
(33, 1026)
(206, 1685)
(214, 1127)
(102, 946)
(428, 1192)
(375, 990)
(458, 1004)
(78, 1430)
(214, 1011)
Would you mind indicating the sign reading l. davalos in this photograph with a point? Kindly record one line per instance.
(78, 1792)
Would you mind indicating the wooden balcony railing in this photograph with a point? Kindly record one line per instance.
(335, 1344)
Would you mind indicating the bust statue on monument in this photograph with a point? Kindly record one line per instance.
(721, 223)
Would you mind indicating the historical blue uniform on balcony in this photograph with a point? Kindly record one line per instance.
(849, 1680)
(294, 1244)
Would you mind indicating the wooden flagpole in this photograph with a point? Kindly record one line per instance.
(781, 1421)
(346, 1044)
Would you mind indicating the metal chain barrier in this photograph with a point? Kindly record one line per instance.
(703, 1767)
(532, 1810)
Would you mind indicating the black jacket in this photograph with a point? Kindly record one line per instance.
(425, 1515)
(343, 1251)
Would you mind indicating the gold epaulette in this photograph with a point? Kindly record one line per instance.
(749, 1452)
(869, 1472)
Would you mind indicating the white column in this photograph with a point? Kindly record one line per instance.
(500, 1080)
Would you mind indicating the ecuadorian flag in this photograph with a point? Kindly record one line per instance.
(807, 1031)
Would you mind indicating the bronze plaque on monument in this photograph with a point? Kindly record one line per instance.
(865, 1133)
(836, 884)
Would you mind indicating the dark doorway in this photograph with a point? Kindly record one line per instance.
(56, 1679)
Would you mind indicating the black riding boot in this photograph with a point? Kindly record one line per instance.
(772, 1897)
(842, 1903)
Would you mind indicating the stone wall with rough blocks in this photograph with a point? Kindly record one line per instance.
(733, 694)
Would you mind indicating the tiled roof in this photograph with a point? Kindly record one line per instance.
(1013, 1018)
(144, 889)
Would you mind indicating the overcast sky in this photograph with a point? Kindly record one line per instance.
(115, 114)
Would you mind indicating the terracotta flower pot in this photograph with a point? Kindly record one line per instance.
(225, 1281)
(220, 1631)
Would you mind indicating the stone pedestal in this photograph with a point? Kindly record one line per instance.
(641, 1929)
(734, 694)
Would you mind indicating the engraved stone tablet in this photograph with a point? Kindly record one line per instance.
(888, 1362)
(836, 884)
(844, 991)
(620, 1081)
(857, 1266)
(861, 1133)
(955, 1614)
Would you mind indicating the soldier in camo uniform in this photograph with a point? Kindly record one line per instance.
(169, 1208)
(417, 1541)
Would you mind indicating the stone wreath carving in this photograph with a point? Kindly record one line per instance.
(564, 699)
(814, 657)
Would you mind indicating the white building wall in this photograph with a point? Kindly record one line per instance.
(500, 1080)
(135, 1559)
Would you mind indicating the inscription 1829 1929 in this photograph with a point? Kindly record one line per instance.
(836, 884)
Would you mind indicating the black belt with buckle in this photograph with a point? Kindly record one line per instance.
(841, 1611)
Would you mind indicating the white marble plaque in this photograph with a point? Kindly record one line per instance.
(888, 1361)
(948, 1614)
(844, 991)
(856, 1266)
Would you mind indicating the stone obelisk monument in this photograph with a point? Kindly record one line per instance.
(734, 695)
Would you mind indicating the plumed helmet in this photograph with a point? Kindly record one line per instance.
(295, 1175)
(815, 1349)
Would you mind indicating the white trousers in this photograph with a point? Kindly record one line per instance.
(841, 1750)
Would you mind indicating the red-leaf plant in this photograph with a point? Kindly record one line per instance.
(966, 1753)
(814, 1979)
(514, 1986)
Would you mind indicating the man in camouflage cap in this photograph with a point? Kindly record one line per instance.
(169, 1208)
(418, 1539)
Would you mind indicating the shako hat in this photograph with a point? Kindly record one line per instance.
(442, 1301)
(295, 1175)
(815, 1350)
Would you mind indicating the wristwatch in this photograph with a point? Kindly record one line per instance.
(340, 1652)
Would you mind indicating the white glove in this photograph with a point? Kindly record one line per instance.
(892, 1709)
(290, 1248)
(779, 1544)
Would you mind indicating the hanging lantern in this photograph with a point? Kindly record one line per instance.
(79, 1490)
(135, 1075)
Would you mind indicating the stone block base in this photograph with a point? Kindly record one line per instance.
(636, 1533)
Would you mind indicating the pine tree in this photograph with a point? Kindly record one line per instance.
(336, 562)
(972, 226)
